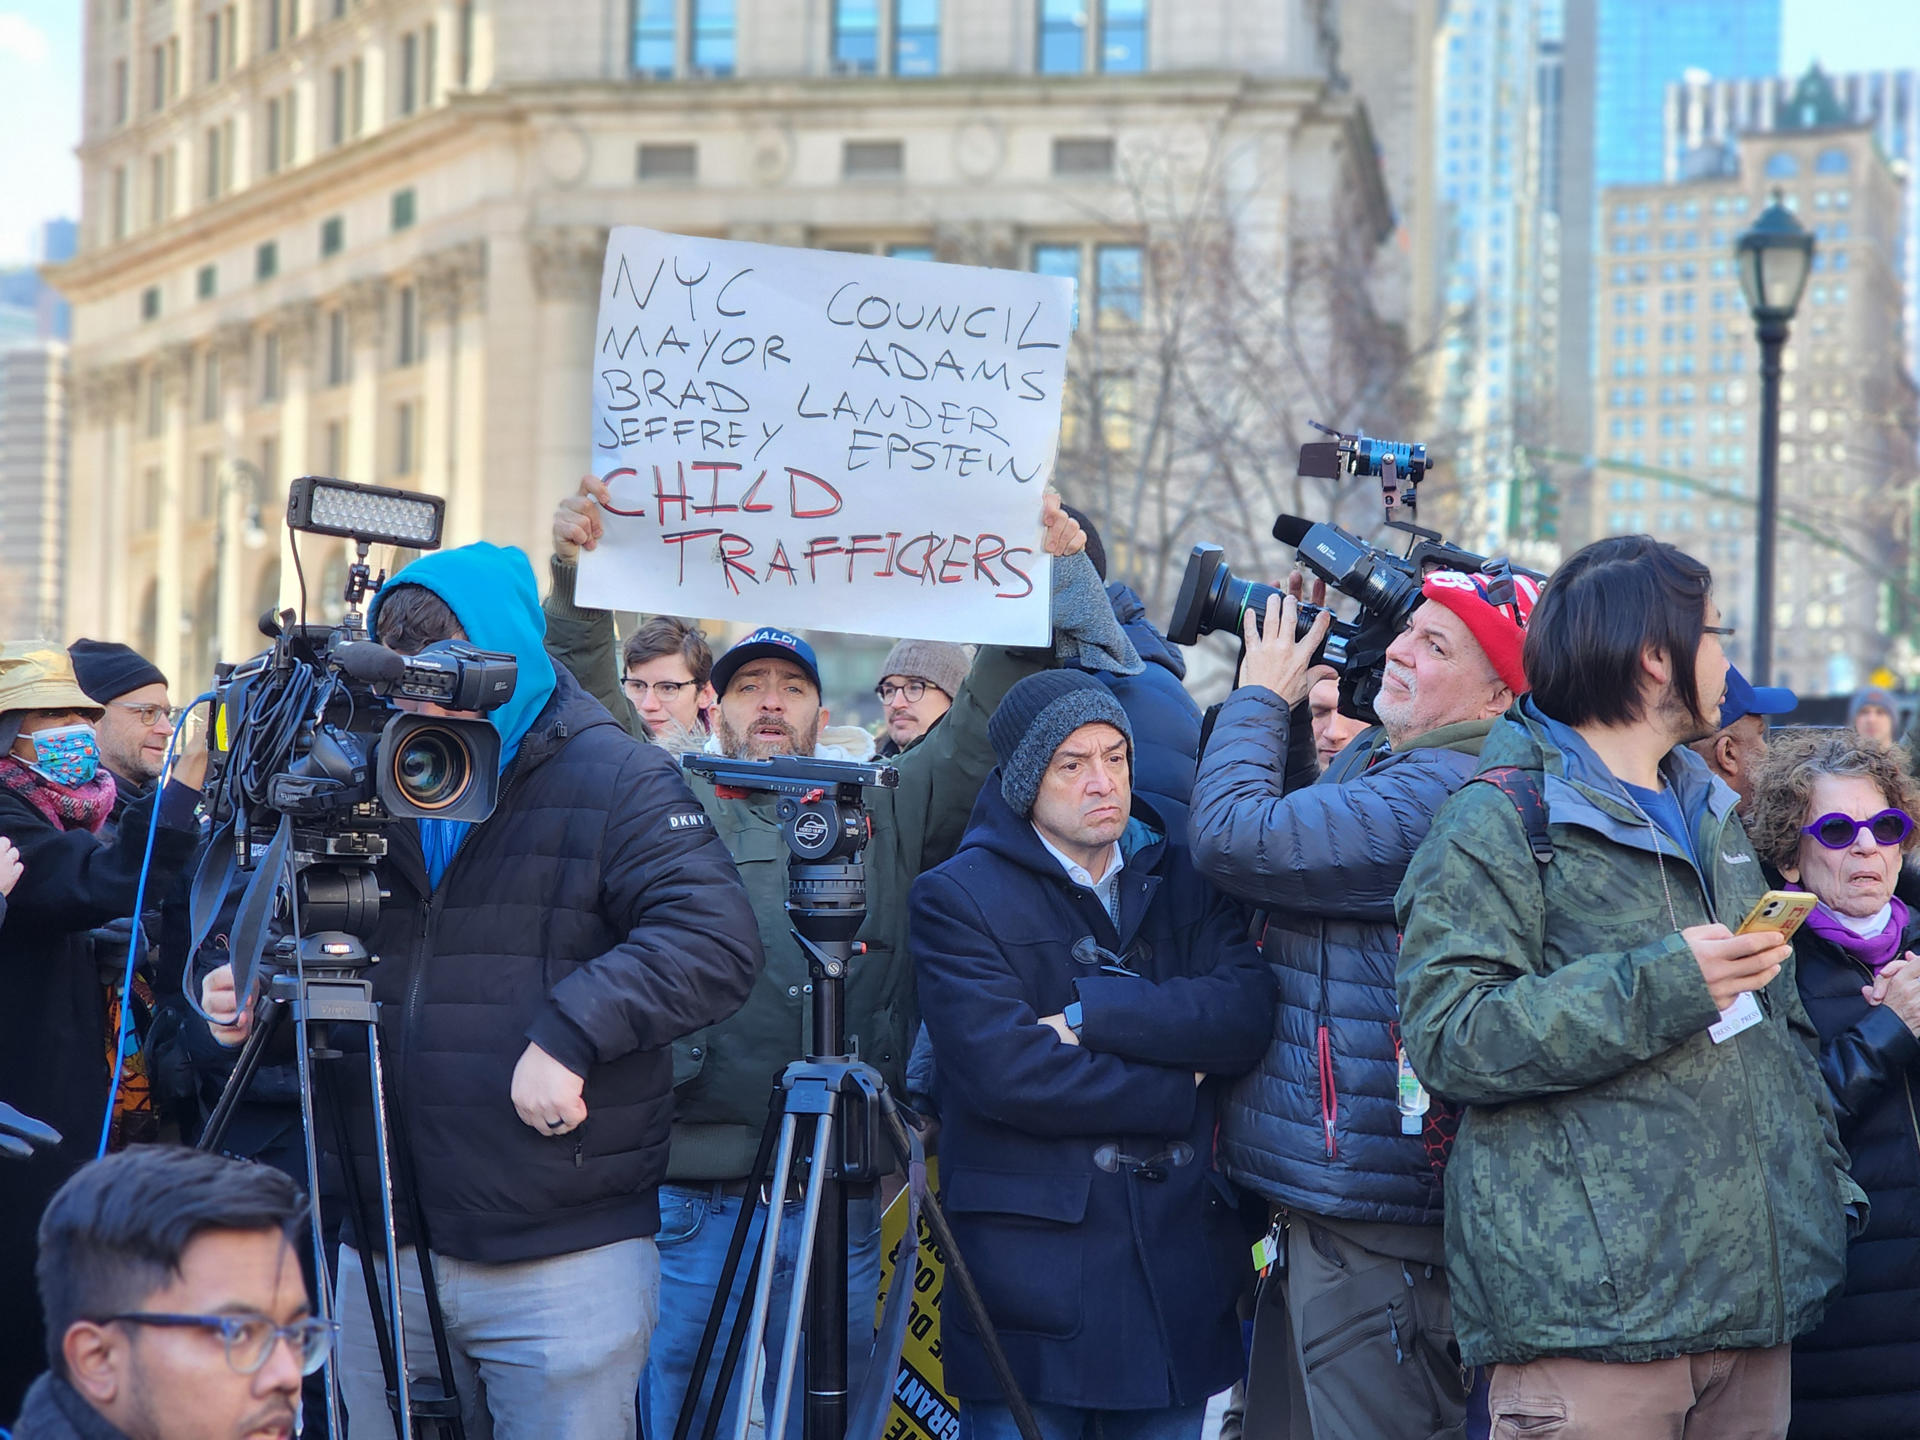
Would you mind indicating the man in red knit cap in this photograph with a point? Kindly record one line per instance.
(1353, 1332)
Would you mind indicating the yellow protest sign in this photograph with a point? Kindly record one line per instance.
(922, 1409)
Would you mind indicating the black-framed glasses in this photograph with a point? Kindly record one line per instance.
(914, 690)
(1724, 631)
(667, 690)
(149, 715)
(249, 1338)
(1091, 953)
(1837, 831)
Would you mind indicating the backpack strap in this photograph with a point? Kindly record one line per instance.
(1522, 787)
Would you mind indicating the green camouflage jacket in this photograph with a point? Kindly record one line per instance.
(1621, 1188)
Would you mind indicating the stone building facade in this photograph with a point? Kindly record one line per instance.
(364, 237)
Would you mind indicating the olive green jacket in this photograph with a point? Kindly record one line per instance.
(724, 1075)
(1621, 1188)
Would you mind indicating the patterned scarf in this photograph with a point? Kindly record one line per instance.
(88, 807)
(77, 807)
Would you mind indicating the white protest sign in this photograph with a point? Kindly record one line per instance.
(819, 440)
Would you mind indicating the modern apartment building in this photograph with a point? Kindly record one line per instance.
(1620, 57)
(1705, 113)
(364, 237)
(1676, 398)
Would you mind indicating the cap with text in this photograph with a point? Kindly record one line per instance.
(765, 643)
(1501, 628)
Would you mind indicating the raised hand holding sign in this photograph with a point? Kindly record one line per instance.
(864, 443)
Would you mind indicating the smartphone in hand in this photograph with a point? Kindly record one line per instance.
(1782, 910)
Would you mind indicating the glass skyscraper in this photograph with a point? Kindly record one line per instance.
(1642, 46)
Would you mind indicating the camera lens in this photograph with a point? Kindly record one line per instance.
(432, 769)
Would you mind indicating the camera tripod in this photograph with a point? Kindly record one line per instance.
(320, 979)
(848, 1109)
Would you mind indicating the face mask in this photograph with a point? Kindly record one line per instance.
(67, 754)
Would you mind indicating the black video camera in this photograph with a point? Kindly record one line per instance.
(307, 729)
(1387, 586)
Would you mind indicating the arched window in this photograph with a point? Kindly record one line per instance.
(1832, 161)
(1782, 166)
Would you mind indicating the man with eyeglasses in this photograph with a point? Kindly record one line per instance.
(771, 704)
(667, 672)
(1647, 1200)
(138, 717)
(917, 684)
(175, 1307)
(135, 727)
(1086, 993)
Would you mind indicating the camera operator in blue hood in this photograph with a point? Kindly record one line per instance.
(535, 968)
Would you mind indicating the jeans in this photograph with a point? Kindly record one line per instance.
(542, 1349)
(994, 1421)
(696, 1222)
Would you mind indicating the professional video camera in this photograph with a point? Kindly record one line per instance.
(307, 730)
(1387, 586)
(309, 761)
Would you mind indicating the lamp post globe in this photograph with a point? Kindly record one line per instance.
(1773, 258)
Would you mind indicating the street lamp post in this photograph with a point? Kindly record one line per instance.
(1773, 258)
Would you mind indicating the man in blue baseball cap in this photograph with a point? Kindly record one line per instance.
(1735, 750)
(770, 704)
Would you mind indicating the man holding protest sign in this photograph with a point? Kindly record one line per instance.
(770, 705)
(818, 439)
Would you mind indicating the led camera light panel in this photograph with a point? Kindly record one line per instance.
(323, 506)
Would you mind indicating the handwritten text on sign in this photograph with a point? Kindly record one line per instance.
(824, 440)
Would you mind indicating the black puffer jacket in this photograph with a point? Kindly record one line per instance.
(595, 914)
(1319, 1127)
(53, 1020)
(1857, 1377)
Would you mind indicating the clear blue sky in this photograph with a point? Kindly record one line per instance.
(40, 90)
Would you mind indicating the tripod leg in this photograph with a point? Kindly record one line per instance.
(404, 1419)
(451, 1420)
(763, 1289)
(322, 1271)
(730, 1360)
(736, 1247)
(962, 1280)
(357, 1207)
(266, 1023)
(817, 1184)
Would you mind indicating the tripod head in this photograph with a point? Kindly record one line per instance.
(824, 818)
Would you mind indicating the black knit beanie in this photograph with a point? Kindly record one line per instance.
(1034, 720)
(107, 669)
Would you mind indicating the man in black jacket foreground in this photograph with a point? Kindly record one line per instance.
(1318, 1128)
(534, 970)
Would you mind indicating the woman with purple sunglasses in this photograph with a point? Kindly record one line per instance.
(1833, 813)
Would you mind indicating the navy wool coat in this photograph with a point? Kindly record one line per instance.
(1857, 1377)
(1079, 1179)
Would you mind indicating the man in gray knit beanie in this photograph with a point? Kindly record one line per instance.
(917, 686)
(1038, 717)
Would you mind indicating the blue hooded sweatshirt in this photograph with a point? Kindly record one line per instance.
(492, 593)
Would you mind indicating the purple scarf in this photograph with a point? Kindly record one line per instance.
(1872, 951)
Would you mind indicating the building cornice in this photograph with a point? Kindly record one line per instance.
(266, 204)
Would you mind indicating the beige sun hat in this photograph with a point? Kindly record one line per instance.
(38, 675)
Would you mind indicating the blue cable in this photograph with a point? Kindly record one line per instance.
(133, 941)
